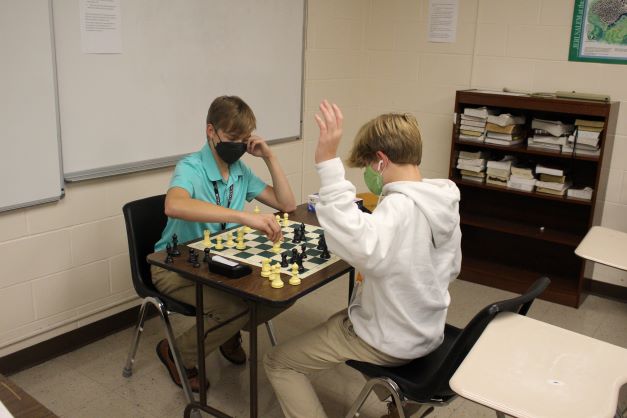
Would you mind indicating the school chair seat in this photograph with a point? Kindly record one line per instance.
(145, 220)
(423, 383)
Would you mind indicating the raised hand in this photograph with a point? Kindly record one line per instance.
(330, 124)
(265, 223)
(258, 147)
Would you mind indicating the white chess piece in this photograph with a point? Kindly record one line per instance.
(207, 240)
(276, 282)
(219, 245)
(294, 280)
(265, 268)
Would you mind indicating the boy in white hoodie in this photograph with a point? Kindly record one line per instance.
(407, 250)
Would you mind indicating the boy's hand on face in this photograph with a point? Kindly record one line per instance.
(330, 124)
(258, 147)
(265, 223)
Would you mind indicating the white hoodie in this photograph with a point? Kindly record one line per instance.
(408, 251)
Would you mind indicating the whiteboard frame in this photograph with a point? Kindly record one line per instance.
(169, 161)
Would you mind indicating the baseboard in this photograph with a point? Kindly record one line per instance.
(606, 290)
(70, 341)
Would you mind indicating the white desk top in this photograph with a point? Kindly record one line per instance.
(530, 369)
(605, 246)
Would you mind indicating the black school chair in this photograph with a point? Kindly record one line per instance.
(145, 220)
(423, 383)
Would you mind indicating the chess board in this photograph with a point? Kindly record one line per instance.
(259, 247)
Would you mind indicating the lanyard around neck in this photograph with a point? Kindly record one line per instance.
(228, 202)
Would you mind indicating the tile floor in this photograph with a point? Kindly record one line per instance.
(88, 382)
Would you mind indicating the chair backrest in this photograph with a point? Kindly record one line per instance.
(145, 220)
(472, 331)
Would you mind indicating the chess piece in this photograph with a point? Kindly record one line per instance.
(265, 268)
(278, 219)
(195, 262)
(294, 256)
(322, 243)
(325, 253)
(297, 236)
(247, 229)
(190, 258)
(168, 250)
(286, 222)
(175, 246)
(303, 250)
(284, 259)
(240, 242)
(207, 239)
(276, 247)
(294, 280)
(206, 259)
(276, 282)
(229, 239)
(299, 262)
(219, 245)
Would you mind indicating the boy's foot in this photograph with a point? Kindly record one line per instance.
(164, 354)
(392, 411)
(232, 350)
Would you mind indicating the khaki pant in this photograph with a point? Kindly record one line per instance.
(333, 342)
(218, 306)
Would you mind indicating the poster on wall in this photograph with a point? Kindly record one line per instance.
(599, 32)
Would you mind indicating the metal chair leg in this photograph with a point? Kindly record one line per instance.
(163, 313)
(368, 387)
(139, 328)
(270, 329)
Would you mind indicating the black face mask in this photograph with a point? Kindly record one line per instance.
(229, 152)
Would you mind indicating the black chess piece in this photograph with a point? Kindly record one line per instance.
(297, 237)
(192, 253)
(325, 252)
(168, 250)
(206, 259)
(195, 262)
(299, 262)
(294, 256)
(303, 250)
(284, 259)
(322, 243)
(175, 246)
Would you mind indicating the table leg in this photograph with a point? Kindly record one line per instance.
(253, 359)
(200, 342)
(351, 283)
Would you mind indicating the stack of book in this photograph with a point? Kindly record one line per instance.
(472, 126)
(521, 178)
(552, 180)
(472, 166)
(585, 140)
(499, 171)
(580, 193)
(505, 130)
(549, 135)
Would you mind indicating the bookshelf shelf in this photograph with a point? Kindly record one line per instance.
(504, 189)
(523, 229)
(511, 237)
(523, 150)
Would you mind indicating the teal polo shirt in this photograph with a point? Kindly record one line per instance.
(196, 174)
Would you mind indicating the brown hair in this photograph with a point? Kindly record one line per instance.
(397, 135)
(232, 115)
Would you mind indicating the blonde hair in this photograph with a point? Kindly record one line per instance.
(397, 135)
(232, 115)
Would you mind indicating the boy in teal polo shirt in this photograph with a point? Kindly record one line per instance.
(208, 190)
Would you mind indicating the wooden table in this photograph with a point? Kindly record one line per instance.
(604, 245)
(254, 290)
(530, 369)
(19, 403)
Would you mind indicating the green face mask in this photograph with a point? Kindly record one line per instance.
(373, 180)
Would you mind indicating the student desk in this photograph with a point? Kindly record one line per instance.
(605, 246)
(256, 291)
(19, 403)
(526, 368)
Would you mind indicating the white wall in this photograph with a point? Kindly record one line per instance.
(64, 265)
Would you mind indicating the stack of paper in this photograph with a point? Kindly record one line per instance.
(472, 165)
(580, 193)
(505, 130)
(552, 180)
(521, 178)
(499, 171)
(472, 124)
(549, 135)
(585, 140)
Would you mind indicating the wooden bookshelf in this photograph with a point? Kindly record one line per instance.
(511, 237)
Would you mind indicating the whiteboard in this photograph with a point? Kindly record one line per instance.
(30, 166)
(147, 106)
